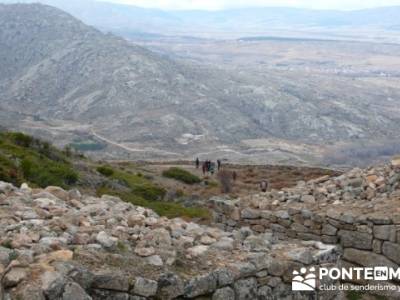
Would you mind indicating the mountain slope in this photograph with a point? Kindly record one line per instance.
(58, 68)
(67, 81)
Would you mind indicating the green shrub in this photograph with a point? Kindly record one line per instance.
(181, 175)
(25, 159)
(106, 171)
(166, 209)
(26, 166)
(21, 139)
(149, 192)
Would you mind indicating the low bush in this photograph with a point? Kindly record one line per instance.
(166, 209)
(181, 175)
(21, 139)
(106, 171)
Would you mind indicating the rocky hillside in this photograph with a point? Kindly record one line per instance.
(69, 82)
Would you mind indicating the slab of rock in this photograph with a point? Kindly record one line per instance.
(367, 258)
(155, 260)
(145, 251)
(392, 251)
(225, 293)
(249, 213)
(14, 277)
(302, 255)
(355, 239)
(58, 192)
(384, 232)
(105, 240)
(246, 289)
(200, 285)
(258, 243)
(197, 250)
(135, 220)
(224, 243)
(53, 284)
(170, 286)
(74, 291)
(5, 256)
(111, 281)
(145, 287)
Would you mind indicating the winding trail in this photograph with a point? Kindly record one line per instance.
(104, 139)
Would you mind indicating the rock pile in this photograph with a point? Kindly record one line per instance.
(58, 244)
(358, 184)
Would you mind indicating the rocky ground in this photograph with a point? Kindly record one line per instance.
(58, 244)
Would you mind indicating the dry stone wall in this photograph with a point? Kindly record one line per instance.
(359, 211)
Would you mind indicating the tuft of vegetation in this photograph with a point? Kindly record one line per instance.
(26, 159)
(106, 171)
(181, 175)
(140, 186)
(166, 209)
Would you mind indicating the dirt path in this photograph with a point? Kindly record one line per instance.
(108, 141)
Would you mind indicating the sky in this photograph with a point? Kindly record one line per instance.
(226, 4)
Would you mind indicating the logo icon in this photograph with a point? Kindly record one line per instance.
(381, 273)
(303, 280)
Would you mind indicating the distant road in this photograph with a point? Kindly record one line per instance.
(104, 139)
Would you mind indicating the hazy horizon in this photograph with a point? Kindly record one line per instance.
(215, 5)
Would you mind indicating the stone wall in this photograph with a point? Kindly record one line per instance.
(366, 239)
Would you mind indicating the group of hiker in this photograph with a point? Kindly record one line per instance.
(208, 166)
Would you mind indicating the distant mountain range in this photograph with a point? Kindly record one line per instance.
(63, 80)
(128, 20)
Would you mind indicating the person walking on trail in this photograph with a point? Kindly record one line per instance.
(197, 163)
(204, 168)
(219, 164)
(234, 176)
(264, 186)
(212, 168)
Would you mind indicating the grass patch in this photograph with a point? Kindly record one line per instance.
(106, 171)
(181, 175)
(140, 186)
(167, 209)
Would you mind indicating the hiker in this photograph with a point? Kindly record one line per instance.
(263, 186)
(219, 164)
(197, 163)
(234, 176)
(212, 168)
(204, 168)
(208, 165)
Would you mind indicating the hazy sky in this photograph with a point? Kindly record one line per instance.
(221, 4)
